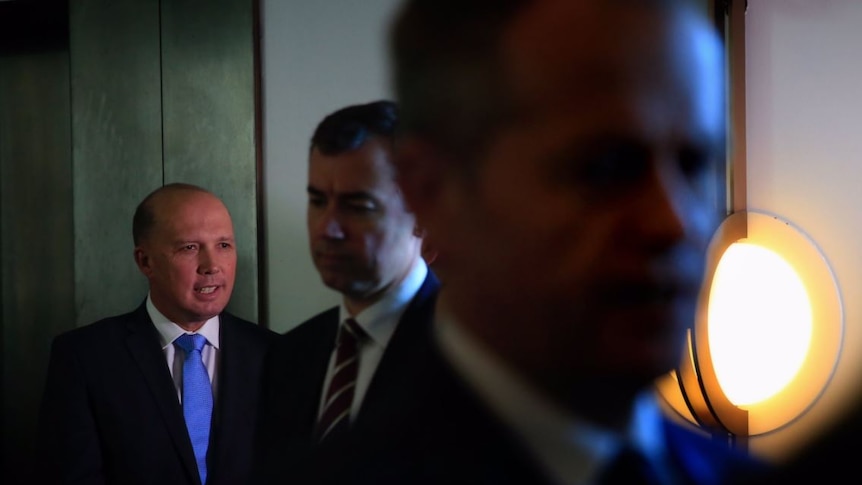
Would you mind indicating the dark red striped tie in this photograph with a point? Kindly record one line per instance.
(339, 396)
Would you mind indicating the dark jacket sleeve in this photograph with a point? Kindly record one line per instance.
(67, 436)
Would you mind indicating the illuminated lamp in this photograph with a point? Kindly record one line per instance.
(767, 335)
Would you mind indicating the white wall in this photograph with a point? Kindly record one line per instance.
(804, 143)
(317, 56)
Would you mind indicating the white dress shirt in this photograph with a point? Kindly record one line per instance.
(379, 322)
(170, 331)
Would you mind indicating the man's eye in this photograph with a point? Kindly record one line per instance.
(693, 162)
(316, 201)
(224, 245)
(360, 204)
(615, 165)
(190, 247)
(362, 207)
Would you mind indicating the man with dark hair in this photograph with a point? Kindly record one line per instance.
(348, 128)
(560, 155)
(167, 393)
(339, 374)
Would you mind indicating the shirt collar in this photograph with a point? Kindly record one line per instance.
(169, 331)
(570, 448)
(379, 320)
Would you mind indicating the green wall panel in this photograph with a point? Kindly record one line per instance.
(117, 145)
(208, 112)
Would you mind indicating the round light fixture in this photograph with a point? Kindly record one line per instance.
(768, 332)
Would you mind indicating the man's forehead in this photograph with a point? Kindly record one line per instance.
(170, 200)
(183, 209)
(357, 170)
(560, 52)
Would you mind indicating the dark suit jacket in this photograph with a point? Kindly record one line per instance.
(441, 433)
(110, 413)
(293, 384)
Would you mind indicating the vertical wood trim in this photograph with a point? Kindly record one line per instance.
(263, 274)
(736, 62)
(208, 91)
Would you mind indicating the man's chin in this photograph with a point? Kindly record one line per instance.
(641, 358)
(205, 312)
(351, 288)
(334, 281)
(653, 344)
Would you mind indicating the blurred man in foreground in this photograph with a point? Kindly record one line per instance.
(561, 156)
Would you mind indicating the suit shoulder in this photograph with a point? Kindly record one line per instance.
(314, 324)
(94, 333)
(249, 329)
(328, 315)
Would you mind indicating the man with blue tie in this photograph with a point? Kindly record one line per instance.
(166, 394)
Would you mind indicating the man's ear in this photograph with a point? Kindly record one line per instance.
(421, 170)
(142, 259)
(429, 252)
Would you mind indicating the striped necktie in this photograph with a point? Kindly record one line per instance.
(335, 417)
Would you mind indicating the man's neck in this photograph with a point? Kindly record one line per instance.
(606, 401)
(357, 303)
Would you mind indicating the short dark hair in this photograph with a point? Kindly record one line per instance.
(447, 71)
(347, 128)
(145, 214)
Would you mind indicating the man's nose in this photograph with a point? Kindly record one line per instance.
(673, 210)
(331, 227)
(208, 263)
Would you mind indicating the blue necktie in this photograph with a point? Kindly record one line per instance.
(197, 398)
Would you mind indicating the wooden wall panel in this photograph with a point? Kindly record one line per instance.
(117, 145)
(208, 115)
(36, 258)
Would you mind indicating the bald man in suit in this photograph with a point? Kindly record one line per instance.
(113, 407)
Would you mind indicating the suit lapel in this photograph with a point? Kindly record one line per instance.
(411, 337)
(235, 392)
(309, 371)
(232, 389)
(143, 343)
(295, 368)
